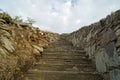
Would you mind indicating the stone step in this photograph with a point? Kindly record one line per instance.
(81, 60)
(60, 54)
(64, 51)
(61, 40)
(42, 63)
(53, 56)
(52, 46)
(65, 61)
(62, 75)
(82, 67)
(60, 43)
(63, 47)
(60, 48)
(62, 61)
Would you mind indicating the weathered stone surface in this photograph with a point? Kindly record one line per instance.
(65, 62)
(7, 44)
(100, 61)
(3, 53)
(110, 49)
(118, 32)
(5, 17)
(17, 47)
(1, 20)
(101, 41)
(37, 50)
(107, 37)
(115, 74)
(51, 37)
(118, 42)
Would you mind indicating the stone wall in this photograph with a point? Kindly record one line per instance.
(51, 37)
(20, 47)
(101, 41)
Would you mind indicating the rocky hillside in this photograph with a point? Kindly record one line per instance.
(20, 46)
(101, 41)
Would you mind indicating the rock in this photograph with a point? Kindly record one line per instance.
(1, 20)
(7, 44)
(89, 36)
(40, 49)
(116, 27)
(5, 17)
(101, 41)
(118, 42)
(36, 52)
(118, 52)
(114, 74)
(107, 37)
(117, 32)
(105, 62)
(116, 16)
(17, 54)
(51, 37)
(3, 53)
(23, 24)
(100, 61)
(113, 58)
(110, 49)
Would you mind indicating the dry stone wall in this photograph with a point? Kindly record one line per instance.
(51, 37)
(20, 47)
(101, 41)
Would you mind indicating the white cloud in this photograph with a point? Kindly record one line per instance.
(66, 10)
(61, 15)
(78, 21)
(54, 14)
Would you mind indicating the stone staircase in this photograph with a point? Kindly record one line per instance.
(62, 61)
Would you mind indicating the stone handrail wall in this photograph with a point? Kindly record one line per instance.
(101, 41)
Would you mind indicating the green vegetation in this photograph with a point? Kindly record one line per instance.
(65, 34)
(30, 21)
(17, 19)
(5, 16)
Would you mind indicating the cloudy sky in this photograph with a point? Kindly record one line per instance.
(60, 15)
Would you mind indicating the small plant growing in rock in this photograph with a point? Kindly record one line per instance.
(17, 19)
(30, 21)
